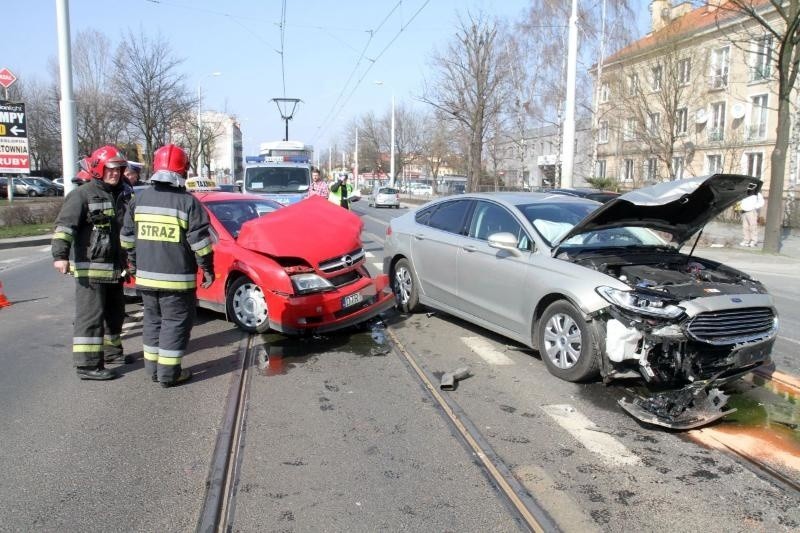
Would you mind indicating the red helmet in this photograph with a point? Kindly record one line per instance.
(170, 165)
(106, 157)
(83, 174)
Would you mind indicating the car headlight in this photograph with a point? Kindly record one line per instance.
(307, 283)
(642, 304)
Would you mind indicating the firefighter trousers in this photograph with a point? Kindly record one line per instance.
(99, 314)
(166, 327)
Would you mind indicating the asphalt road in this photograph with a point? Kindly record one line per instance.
(339, 433)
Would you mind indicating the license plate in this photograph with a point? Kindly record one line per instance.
(352, 299)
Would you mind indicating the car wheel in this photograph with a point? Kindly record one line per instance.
(404, 285)
(247, 306)
(397, 206)
(567, 344)
(32, 194)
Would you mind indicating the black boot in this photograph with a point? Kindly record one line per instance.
(183, 377)
(94, 373)
(119, 358)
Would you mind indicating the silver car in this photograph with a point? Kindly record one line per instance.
(385, 197)
(596, 289)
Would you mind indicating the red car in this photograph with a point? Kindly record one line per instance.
(298, 269)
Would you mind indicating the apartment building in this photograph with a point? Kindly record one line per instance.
(226, 161)
(696, 95)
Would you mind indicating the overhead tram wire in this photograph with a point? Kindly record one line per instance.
(372, 63)
(355, 68)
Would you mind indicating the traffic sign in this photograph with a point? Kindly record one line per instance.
(7, 78)
(14, 152)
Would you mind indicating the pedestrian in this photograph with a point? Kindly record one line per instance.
(749, 207)
(318, 185)
(133, 173)
(166, 233)
(86, 244)
(341, 191)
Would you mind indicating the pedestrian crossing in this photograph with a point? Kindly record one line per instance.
(375, 263)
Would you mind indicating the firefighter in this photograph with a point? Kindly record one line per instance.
(166, 233)
(86, 244)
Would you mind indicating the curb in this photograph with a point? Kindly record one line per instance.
(26, 242)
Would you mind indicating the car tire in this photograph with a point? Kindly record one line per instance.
(32, 194)
(247, 306)
(567, 343)
(405, 287)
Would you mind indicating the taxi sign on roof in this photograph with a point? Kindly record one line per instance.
(201, 184)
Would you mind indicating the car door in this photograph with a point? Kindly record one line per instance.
(492, 283)
(434, 249)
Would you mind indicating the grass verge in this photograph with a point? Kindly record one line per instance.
(25, 230)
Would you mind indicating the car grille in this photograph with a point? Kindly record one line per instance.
(733, 325)
(345, 279)
(343, 261)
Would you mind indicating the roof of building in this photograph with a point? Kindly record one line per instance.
(696, 20)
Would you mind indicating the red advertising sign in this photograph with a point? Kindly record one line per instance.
(7, 78)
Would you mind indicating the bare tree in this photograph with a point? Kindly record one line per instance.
(470, 76)
(436, 149)
(653, 103)
(779, 19)
(151, 91)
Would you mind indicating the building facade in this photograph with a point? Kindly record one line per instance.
(227, 160)
(696, 95)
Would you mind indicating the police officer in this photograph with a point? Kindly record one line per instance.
(166, 233)
(87, 234)
(341, 191)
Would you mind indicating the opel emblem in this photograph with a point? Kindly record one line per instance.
(736, 300)
(348, 260)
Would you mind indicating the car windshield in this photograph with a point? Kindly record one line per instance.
(277, 179)
(553, 220)
(387, 190)
(232, 214)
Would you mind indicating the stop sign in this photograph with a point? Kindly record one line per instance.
(7, 78)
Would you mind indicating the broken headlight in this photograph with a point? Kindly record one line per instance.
(640, 303)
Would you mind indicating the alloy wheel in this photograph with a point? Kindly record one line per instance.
(562, 341)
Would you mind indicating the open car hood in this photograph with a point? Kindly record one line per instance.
(313, 229)
(680, 208)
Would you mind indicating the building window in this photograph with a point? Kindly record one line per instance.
(761, 58)
(717, 131)
(600, 169)
(655, 78)
(720, 64)
(754, 162)
(758, 117)
(605, 92)
(681, 121)
(628, 176)
(629, 130)
(651, 169)
(684, 71)
(653, 123)
(633, 84)
(677, 167)
(602, 133)
(713, 163)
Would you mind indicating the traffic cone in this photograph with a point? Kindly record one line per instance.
(3, 300)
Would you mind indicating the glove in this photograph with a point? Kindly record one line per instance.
(208, 279)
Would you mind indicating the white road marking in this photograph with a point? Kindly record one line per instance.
(12, 260)
(788, 339)
(376, 264)
(486, 351)
(591, 436)
(45, 249)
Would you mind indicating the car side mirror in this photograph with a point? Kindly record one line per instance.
(505, 241)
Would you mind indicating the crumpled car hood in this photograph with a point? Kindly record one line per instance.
(680, 208)
(313, 229)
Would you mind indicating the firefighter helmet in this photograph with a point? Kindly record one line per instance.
(170, 165)
(105, 157)
(83, 174)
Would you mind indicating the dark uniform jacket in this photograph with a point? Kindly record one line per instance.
(166, 234)
(87, 232)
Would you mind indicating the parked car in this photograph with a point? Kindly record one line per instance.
(46, 182)
(595, 288)
(269, 279)
(3, 187)
(384, 197)
(597, 195)
(420, 189)
(31, 186)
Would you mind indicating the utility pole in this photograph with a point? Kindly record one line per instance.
(69, 137)
(568, 148)
(355, 166)
(598, 88)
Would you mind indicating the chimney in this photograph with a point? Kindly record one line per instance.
(659, 14)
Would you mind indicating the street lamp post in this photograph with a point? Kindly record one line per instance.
(200, 122)
(391, 160)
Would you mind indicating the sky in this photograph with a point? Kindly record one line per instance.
(333, 52)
